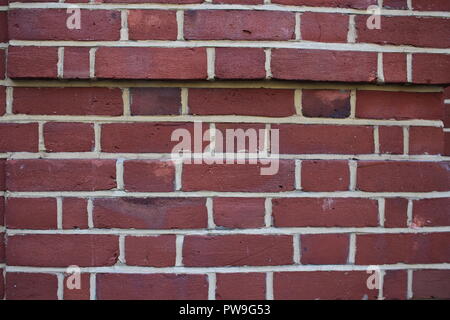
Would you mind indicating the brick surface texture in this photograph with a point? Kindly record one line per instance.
(89, 116)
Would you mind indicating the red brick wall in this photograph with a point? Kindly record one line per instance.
(87, 178)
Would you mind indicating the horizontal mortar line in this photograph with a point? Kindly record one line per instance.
(234, 269)
(218, 156)
(291, 44)
(260, 231)
(269, 84)
(206, 6)
(446, 129)
(447, 101)
(204, 194)
(220, 118)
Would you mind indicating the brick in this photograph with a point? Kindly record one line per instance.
(75, 215)
(446, 115)
(395, 213)
(52, 24)
(238, 1)
(395, 4)
(238, 25)
(431, 284)
(413, 31)
(324, 27)
(76, 63)
(57, 250)
(31, 213)
(325, 139)
(239, 212)
(3, 64)
(326, 103)
(436, 5)
(68, 101)
(152, 25)
(69, 137)
(398, 105)
(246, 102)
(240, 137)
(240, 286)
(2, 100)
(2, 211)
(32, 62)
(356, 4)
(151, 63)
(395, 285)
(2, 247)
(325, 175)
(376, 249)
(447, 143)
(324, 248)
(390, 140)
(426, 140)
(394, 67)
(83, 293)
(60, 175)
(150, 251)
(154, 1)
(324, 285)
(237, 250)
(431, 212)
(150, 213)
(149, 176)
(155, 101)
(152, 287)
(31, 286)
(240, 63)
(2, 284)
(326, 212)
(2, 174)
(372, 176)
(4, 26)
(238, 177)
(430, 68)
(323, 65)
(141, 137)
(16, 137)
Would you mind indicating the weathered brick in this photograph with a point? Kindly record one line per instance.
(395, 213)
(155, 101)
(431, 212)
(324, 27)
(240, 63)
(76, 63)
(426, 140)
(32, 62)
(431, 284)
(429, 68)
(395, 285)
(152, 25)
(150, 213)
(31, 286)
(82, 293)
(149, 176)
(394, 67)
(326, 103)
(390, 140)
(75, 213)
